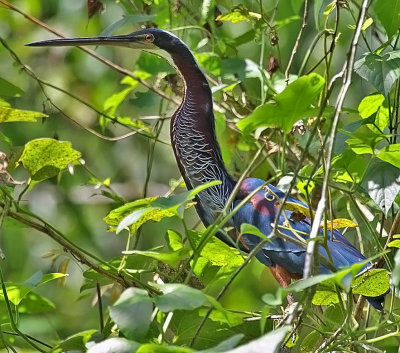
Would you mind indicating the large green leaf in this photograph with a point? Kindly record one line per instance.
(291, 105)
(8, 114)
(132, 313)
(75, 342)
(161, 207)
(388, 13)
(178, 296)
(372, 283)
(382, 182)
(391, 154)
(381, 71)
(172, 258)
(115, 345)
(16, 292)
(45, 158)
(8, 89)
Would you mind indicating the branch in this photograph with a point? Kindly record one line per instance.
(348, 71)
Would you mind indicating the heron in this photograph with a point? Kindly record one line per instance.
(199, 158)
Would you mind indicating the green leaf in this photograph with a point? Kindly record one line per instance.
(157, 348)
(370, 105)
(45, 158)
(210, 62)
(390, 154)
(310, 342)
(325, 295)
(291, 105)
(388, 13)
(8, 114)
(34, 303)
(8, 90)
(382, 182)
(115, 345)
(75, 342)
(272, 340)
(132, 313)
(17, 292)
(225, 345)
(172, 258)
(273, 300)
(238, 14)
(372, 283)
(162, 207)
(381, 71)
(246, 228)
(217, 256)
(394, 243)
(174, 240)
(371, 109)
(178, 296)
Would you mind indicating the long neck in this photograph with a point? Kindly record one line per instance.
(193, 138)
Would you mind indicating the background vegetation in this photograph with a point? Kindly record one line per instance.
(82, 136)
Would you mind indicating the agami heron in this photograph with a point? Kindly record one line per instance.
(199, 159)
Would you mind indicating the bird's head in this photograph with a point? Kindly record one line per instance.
(150, 39)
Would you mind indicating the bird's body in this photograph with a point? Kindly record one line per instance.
(199, 159)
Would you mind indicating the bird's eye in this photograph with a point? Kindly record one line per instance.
(149, 38)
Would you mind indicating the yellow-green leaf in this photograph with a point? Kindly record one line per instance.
(394, 244)
(8, 114)
(297, 207)
(372, 283)
(45, 158)
(340, 223)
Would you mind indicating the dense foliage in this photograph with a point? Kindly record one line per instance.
(101, 248)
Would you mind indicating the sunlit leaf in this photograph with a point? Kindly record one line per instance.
(45, 158)
(238, 14)
(132, 313)
(390, 154)
(372, 283)
(339, 223)
(370, 105)
(394, 244)
(8, 114)
(178, 296)
(293, 104)
(162, 207)
(297, 207)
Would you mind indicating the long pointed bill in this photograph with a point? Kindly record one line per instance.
(129, 40)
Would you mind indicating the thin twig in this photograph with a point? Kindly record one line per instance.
(296, 44)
